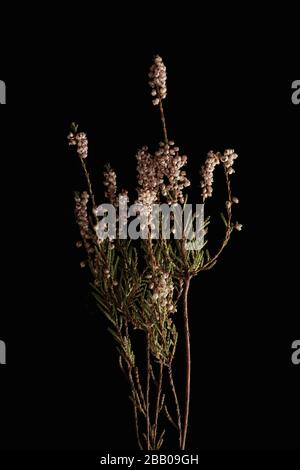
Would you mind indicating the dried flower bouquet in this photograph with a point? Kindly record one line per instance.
(139, 284)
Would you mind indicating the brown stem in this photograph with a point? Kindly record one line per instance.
(134, 394)
(148, 392)
(139, 387)
(158, 402)
(153, 376)
(228, 227)
(163, 119)
(87, 177)
(90, 188)
(176, 403)
(188, 362)
(133, 391)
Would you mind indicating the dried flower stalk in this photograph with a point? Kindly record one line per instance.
(138, 285)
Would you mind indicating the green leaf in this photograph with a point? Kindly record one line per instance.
(170, 417)
(161, 440)
(124, 356)
(104, 308)
(162, 402)
(74, 127)
(224, 219)
(115, 266)
(211, 265)
(115, 335)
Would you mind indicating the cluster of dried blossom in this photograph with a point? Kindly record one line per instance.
(110, 183)
(228, 160)
(162, 292)
(207, 170)
(161, 174)
(82, 218)
(207, 173)
(79, 139)
(158, 80)
(170, 165)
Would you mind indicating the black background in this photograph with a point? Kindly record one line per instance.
(61, 388)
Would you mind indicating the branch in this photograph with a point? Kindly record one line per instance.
(188, 362)
(176, 403)
(158, 402)
(212, 261)
(148, 392)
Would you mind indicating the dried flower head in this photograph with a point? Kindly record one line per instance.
(80, 140)
(172, 178)
(81, 214)
(110, 184)
(158, 80)
(207, 172)
(161, 174)
(88, 236)
(147, 177)
(162, 294)
(228, 160)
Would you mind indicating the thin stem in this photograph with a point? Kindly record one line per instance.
(158, 402)
(148, 392)
(188, 361)
(87, 177)
(163, 119)
(137, 378)
(176, 403)
(170, 417)
(133, 391)
(228, 227)
(134, 394)
(153, 376)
